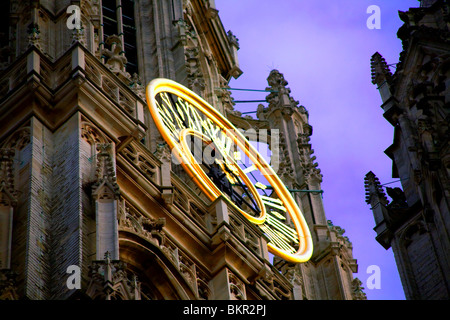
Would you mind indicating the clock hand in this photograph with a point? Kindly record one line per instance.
(249, 170)
(236, 197)
(178, 113)
(277, 231)
(240, 184)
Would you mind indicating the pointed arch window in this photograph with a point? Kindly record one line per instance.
(119, 18)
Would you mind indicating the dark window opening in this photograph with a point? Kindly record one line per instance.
(126, 29)
(109, 28)
(110, 25)
(129, 35)
(4, 31)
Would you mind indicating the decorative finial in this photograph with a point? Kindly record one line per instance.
(34, 38)
(115, 57)
(380, 70)
(374, 190)
(107, 256)
(232, 39)
(276, 80)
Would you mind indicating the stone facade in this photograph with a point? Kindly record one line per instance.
(416, 99)
(86, 180)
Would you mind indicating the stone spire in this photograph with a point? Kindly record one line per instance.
(299, 171)
(106, 185)
(297, 165)
(380, 70)
(280, 93)
(376, 197)
(381, 76)
(374, 190)
(291, 119)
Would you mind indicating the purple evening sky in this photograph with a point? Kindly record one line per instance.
(323, 48)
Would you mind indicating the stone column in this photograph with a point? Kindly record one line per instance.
(7, 202)
(227, 286)
(106, 195)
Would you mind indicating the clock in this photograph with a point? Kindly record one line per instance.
(211, 150)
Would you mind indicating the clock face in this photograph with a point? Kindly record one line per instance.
(212, 152)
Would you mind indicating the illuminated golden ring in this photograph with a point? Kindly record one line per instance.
(159, 85)
(201, 177)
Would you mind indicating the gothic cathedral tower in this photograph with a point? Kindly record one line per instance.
(87, 182)
(416, 98)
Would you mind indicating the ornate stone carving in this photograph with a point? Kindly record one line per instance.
(183, 29)
(90, 7)
(357, 290)
(8, 285)
(374, 190)
(310, 168)
(279, 96)
(195, 278)
(137, 87)
(79, 36)
(285, 167)
(237, 287)
(398, 198)
(191, 43)
(425, 132)
(151, 229)
(225, 97)
(195, 80)
(163, 152)
(18, 140)
(187, 270)
(91, 134)
(281, 291)
(110, 281)
(106, 186)
(232, 39)
(282, 107)
(276, 81)
(203, 289)
(141, 160)
(243, 232)
(339, 233)
(34, 38)
(293, 273)
(115, 58)
(126, 103)
(7, 190)
(380, 70)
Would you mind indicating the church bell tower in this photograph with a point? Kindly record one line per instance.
(88, 184)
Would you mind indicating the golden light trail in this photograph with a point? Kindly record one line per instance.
(200, 119)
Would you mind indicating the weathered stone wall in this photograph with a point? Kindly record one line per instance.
(66, 211)
(48, 219)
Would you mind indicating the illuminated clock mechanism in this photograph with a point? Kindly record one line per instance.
(222, 162)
